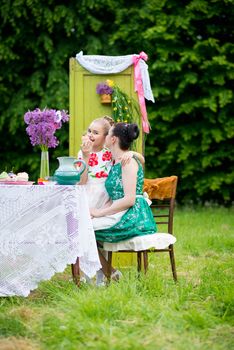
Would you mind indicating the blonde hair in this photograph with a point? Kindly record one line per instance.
(106, 121)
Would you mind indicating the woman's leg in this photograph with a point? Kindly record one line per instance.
(104, 264)
(115, 274)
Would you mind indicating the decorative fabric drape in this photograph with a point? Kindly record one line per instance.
(98, 64)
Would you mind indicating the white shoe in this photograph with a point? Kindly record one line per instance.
(101, 284)
(116, 275)
(100, 278)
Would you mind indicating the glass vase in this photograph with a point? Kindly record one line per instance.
(44, 170)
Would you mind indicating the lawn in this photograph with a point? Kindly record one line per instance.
(151, 312)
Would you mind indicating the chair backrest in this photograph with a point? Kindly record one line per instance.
(162, 192)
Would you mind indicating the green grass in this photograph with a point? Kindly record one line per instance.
(147, 313)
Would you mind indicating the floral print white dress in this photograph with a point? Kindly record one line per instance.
(99, 166)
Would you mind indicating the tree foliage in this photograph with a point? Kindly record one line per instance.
(190, 48)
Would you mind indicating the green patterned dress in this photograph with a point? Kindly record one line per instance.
(138, 219)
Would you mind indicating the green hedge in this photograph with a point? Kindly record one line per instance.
(190, 48)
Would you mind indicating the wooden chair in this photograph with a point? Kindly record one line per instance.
(162, 193)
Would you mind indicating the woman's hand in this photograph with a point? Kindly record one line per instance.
(95, 213)
(86, 146)
(126, 157)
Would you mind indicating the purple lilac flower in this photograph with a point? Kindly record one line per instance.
(103, 88)
(43, 124)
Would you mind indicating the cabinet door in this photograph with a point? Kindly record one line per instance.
(85, 104)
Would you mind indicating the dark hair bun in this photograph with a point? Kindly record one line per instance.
(133, 131)
(126, 133)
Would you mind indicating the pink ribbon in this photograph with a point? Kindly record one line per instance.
(139, 88)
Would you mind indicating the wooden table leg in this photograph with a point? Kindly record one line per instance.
(76, 272)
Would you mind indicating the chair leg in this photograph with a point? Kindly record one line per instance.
(139, 262)
(172, 260)
(76, 272)
(145, 259)
(109, 266)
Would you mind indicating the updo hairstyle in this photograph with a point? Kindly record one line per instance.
(106, 122)
(126, 133)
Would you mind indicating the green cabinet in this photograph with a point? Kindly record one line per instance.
(85, 104)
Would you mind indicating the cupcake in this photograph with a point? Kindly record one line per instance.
(22, 176)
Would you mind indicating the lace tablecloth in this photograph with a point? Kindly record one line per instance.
(42, 229)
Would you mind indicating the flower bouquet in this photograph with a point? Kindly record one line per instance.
(42, 125)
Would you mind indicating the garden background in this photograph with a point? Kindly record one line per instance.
(190, 49)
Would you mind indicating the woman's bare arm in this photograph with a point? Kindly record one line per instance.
(129, 178)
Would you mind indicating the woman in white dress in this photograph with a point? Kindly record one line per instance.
(98, 159)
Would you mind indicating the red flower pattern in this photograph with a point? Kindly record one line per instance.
(93, 159)
(101, 174)
(99, 163)
(107, 156)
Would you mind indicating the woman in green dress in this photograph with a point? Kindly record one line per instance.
(128, 213)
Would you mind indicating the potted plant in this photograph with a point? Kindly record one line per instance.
(105, 91)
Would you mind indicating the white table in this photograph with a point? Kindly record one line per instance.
(42, 229)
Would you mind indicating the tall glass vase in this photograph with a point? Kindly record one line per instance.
(44, 170)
